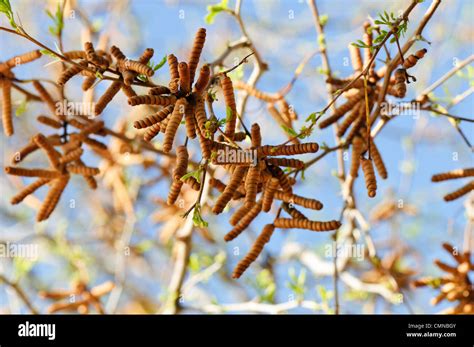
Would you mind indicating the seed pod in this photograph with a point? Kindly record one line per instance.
(239, 214)
(19, 59)
(460, 192)
(293, 212)
(226, 196)
(7, 107)
(376, 156)
(298, 200)
(269, 193)
(347, 122)
(49, 122)
(184, 77)
(357, 125)
(160, 90)
(257, 247)
(255, 135)
(135, 66)
(203, 79)
(182, 158)
(338, 82)
(201, 117)
(231, 109)
(173, 124)
(96, 145)
(52, 198)
(400, 86)
(173, 66)
(206, 146)
(310, 147)
(128, 91)
(173, 194)
(46, 97)
(357, 149)
(190, 121)
(151, 132)
(90, 180)
(70, 72)
(269, 98)
(454, 174)
(152, 100)
(73, 55)
(251, 184)
(342, 110)
(83, 170)
(51, 153)
(193, 183)
(356, 58)
(287, 162)
(163, 124)
(71, 156)
(413, 58)
(91, 128)
(195, 54)
(17, 171)
(369, 176)
(93, 57)
(286, 223)
(244, 222)
(154, 118)
(107, 97)
(282, 178)
(29, 189)
(31, 147)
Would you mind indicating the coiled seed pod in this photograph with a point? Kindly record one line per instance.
(173, 66)
(190, 121)
(400, 86)
(251, 185)
(49, 122)
(51, 153)
(229, 98)
(136, 66)
(287, 162)
(357, 125)
(107, 97)
(454, 174)
(255, 135)
(357, 149)
(460, 192)
(160, 90)
(29, 189)
(195, 54)
(239, 214)
(267, 97)
(369, 176)
(20, 59)
(93, 57)
(282, 178)
(342, 110)
(244, 222)
(83, 170)
(154, 118)
(90, 180)
(257, 247)
(347, 122)
(338, 82)
(151, 132)
(206, 146)
(93, 143)
(203, 79)
(269, 193)
(151, 100)
(117, 53)
(128, 91)
(356, 58)
(182, 158)
(201, 117)
(286, 223)
(71, 156)
(376, 156)
(73, 55)
(164, 124)
(310, 147)
(193, 183)
(226, 196)
(173, 124)
(46, 97)
(298, 200)
(88, 83)
(413, 58)
(293, 212)
(184, 79)
(71, 72)
(17, 171)
(173, 194)
(52, 198)
(7, 107)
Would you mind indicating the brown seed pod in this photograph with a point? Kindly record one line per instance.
(53, 156)
(190, 121)
(71, 156)
(203, 79)
(173, 194)
(52, 198)
(256, 136)
(226, 196)
(357, 124)
(347, 121)
(128, 91)
(135, 66)
(184, 78)
(269, 193)
(193, 183)
(49, 122)
(88, 83)
(239, 214)
(293, 211)
(298, 200)
(46, 97)
(195, 54)
(400, 83)
(231, 109)
(73, 55)
(107, 97)
(173, 124)
(151, 132)
(70, 72)
(90, 180)
(154, 118)
(182, 158)
(357, 149)
(376, 156)
(29, 189)
(17, 171)
(288, 112)
(369, 176)
(7, 107)
(356, 58)
(201, 117)
(160, 90)
(257, 248)
(310, 147)
(287, 162)
(173, 66)
(91, 128)
(93, 57)
(251, 185)
(151, 100)
(163, 124)
(117, 53)
(55, 140)
(454, 174)
(206, 146)
(83, 170)
(267, 97)
(96, 145)
(343, 109)
(413, 58)
(285, 183)
(19, 59)
(244, 222)
(460, 192)
(338, 82)
(287, 223)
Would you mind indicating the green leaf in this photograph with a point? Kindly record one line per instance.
(323, 19)
(229, 114)
(58, 20)
(158, 66)
(98, 75)
(197, 218)
(196, 174)
(6, 9)
(313, 117)
(213, 10)
(289, 131)
(21, 108)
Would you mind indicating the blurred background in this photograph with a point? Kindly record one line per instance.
(122, 232)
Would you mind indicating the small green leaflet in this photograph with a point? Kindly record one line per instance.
(58, 21)
(159, 65)
(213, 10)
(289, 130)
(196, 174)
(6, 9)
(21, 108)
(198, 221)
